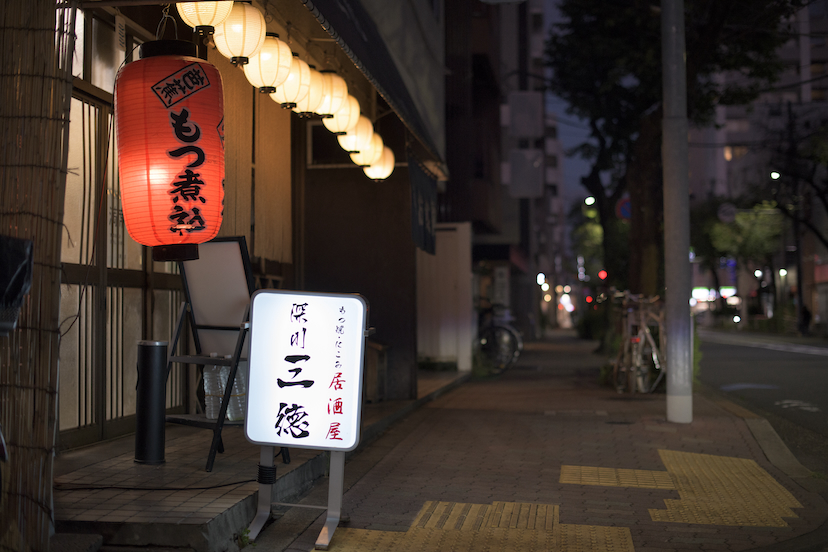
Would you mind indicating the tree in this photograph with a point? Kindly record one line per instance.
(753, 238)
(703, 217)
(799, 159)
(797, 180)
(606, 62)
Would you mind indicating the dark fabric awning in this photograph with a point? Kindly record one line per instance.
(350, 24)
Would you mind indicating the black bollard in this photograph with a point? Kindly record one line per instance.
(150, 411)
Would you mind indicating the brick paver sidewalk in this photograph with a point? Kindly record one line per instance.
(543, 458)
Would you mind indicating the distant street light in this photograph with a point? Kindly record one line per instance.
(757, 273)
(783, 272)
(775, 175)
(589, 201)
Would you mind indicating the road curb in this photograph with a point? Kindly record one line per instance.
(778, 454)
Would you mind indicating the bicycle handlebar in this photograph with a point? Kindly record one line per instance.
(635, 298)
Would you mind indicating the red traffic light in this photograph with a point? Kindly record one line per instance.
(602, 274)
(589, 298)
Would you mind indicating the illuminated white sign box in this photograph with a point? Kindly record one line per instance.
(306, 355)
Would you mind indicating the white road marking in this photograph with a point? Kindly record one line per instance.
(786, 347)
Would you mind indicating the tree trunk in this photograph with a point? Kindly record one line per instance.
(644, 182)
(35, 89)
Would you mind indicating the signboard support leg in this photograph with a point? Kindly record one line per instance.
(266, 478)
(336, 485)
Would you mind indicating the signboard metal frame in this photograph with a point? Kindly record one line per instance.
(267, 387)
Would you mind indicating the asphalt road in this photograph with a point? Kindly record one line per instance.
(786, 383)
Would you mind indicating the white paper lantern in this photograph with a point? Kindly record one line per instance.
(295, 87)
(241, 35)
(383, 168)
(204, 17)
(270, 66)
(311, 101)
(359, 137)
(345, 118)
(371, 154)
(335, 94)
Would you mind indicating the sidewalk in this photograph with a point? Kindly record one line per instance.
(542, 458)
(104, 499)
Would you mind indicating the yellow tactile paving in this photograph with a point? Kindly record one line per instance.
(721, 490)
(500, 526)
(613, 477)
(714, 490)
(593, 537)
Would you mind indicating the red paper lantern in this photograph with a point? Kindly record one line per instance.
(169, 122)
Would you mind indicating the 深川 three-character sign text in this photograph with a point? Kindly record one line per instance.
(306, 353)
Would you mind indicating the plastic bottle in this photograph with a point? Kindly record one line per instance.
(212, 390)
(238, 397)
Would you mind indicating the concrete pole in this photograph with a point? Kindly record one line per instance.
(676, 215)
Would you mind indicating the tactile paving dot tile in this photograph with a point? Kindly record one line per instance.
(714, 490)
(722, 490)
(614, 477)
(584, 538)
(499, 527)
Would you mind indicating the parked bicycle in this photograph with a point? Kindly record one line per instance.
(499, 341)
(640, 364)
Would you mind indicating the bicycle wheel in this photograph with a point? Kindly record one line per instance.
(500, 346)
(652, 368)
(621, 368)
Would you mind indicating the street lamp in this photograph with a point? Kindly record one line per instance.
(589, 201)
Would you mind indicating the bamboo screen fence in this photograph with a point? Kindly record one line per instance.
(37, 41)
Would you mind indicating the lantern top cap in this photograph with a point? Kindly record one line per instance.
(167, 48)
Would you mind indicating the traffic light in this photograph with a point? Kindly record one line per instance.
(602, 274)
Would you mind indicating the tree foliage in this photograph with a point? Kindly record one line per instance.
(606, 62)
(800, 155)
(753, 238)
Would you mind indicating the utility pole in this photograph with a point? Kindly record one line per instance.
(793, 173)
(676, 215)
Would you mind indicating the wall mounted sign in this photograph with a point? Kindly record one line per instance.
(306, 356)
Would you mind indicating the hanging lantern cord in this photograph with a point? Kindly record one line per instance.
(162, 25)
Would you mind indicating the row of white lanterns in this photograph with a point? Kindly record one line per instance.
(238, 30)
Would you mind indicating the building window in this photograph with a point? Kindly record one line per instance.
(97, 347)
(734, 152)
(737, 125)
